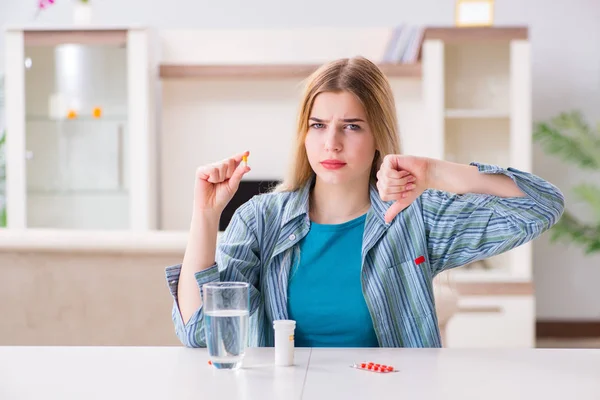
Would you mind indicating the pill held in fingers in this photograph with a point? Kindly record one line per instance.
(245, 160)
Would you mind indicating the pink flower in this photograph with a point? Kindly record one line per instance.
(45, 3)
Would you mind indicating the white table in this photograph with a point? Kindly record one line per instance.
(179, 373)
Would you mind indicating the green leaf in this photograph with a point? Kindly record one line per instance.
(593, 247)
(564, 146)
(574, 124)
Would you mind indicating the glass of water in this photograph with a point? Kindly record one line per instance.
(226, 313)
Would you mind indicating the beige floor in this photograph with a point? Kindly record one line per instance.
(583, 343)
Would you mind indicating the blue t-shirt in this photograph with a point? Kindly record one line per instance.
(325, 296)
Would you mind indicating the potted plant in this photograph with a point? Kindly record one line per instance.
(82, 12)
(569, 137)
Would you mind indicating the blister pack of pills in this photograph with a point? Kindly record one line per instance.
(373, 367)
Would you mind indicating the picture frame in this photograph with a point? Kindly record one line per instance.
(474, 13)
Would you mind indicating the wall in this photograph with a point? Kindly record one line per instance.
(566, 73)
(268, 135)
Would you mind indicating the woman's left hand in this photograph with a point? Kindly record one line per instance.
(403, 179)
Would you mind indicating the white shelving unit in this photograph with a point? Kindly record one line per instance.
(84, 170)
(478, 97)
(477, 91)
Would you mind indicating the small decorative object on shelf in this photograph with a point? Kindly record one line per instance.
(97, 112)
(72, 114)
(471, 13)
(82, 12)
(404, 45)
(42, 5)
(57, 106)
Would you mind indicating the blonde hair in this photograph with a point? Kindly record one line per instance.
(367, 82)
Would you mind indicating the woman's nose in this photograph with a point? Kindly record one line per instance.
(332, 140)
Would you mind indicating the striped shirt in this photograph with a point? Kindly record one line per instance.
(442, 230)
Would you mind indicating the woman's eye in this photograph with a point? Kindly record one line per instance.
(317, 125)
(353, 127)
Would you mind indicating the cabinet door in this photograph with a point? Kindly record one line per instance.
(487, 321)
(76, 128)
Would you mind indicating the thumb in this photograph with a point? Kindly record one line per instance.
(236, 177)
(392, 161)
(394, 210)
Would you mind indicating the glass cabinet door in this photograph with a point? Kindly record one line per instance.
(76, 134)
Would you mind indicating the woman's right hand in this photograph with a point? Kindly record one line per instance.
(217, 183)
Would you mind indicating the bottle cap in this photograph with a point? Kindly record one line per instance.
(284, 323)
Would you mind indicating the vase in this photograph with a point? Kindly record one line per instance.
(82, 13)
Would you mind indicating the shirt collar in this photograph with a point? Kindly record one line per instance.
(298, 204)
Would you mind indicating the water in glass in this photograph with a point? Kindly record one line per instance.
(226, 314)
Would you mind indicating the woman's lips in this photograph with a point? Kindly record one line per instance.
(333, 164)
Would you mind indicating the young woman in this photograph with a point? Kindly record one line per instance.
(348, 245)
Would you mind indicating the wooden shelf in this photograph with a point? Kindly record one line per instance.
(494, 275)
(116, 37)
(476, 34)
(269, 71)
(392, 70)
(490, 288)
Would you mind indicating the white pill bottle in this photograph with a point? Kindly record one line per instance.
(284, 341)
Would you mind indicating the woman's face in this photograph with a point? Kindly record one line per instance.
(339, 142)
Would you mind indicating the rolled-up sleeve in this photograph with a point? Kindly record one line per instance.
(469, 227)
(237, 260)
(191, 334)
